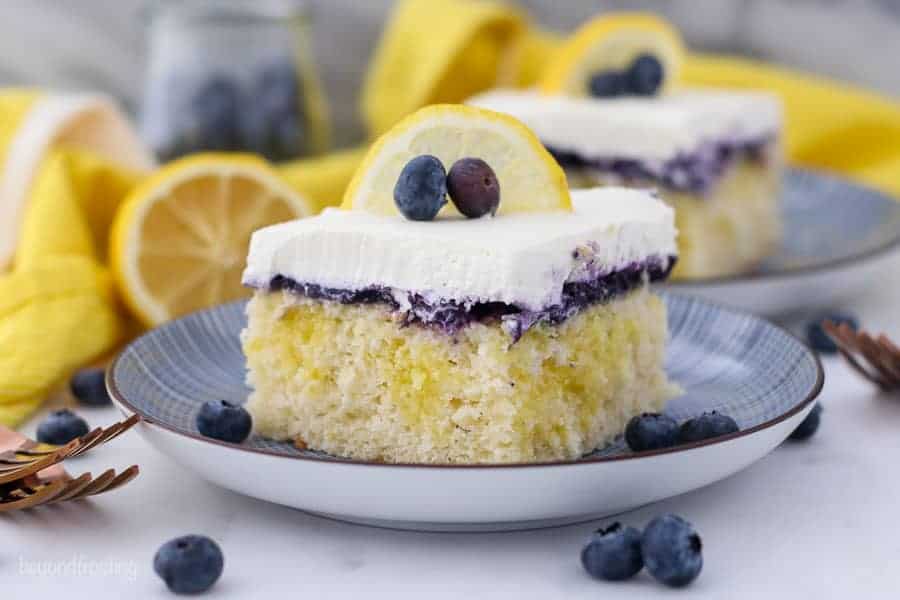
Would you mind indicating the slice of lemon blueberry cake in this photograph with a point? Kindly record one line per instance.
(511, 324)
(612, 111)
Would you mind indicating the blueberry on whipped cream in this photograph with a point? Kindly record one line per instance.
(606, 84)
(645, 76)
(473, 188)
(421, 189)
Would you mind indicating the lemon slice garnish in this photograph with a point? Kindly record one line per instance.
(612, 42)
(529, 178)
(179, 242)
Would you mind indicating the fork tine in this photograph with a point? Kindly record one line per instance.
(872, 352)
(35, 498)
(88, 440)
(121, 479)
(73, 488)
(110, 433)
(97, 485)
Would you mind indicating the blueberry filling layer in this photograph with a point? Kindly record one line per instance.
(694, 172)
(450, 316)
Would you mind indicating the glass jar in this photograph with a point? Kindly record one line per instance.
(232, 75)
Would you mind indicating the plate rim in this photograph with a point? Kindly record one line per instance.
(119, 398)
(755, 276)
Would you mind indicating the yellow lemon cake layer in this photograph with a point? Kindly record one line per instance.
(348, 380)
(713, 155)
(516, 338)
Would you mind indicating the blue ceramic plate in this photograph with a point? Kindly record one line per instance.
(727, 361)
(837, 237)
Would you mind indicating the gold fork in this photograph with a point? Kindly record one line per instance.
(30, 473)
(875, 358)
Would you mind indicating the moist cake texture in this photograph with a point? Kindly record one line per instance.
(714, 155)
(519, 338)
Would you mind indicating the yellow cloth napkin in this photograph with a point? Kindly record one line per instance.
(58, 308)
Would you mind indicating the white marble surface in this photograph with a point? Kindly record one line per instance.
(811, 520)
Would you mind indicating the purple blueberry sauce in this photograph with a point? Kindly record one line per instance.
(693, 172)
(450, 316)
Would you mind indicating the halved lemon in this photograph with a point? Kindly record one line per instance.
(612, 42)
(530, 179)
(179, 242)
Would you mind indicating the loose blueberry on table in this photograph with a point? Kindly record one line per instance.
(613, 554)
(821, 341)
(61, 427)
(672, 550)
(473, 188)
(421, 189)
(810, 424)
(89, 387)
(224, 421)
(706, 426)
(651, 431)
(190, 564)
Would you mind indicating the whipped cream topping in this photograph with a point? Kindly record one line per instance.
(647, 129)
(522, 259)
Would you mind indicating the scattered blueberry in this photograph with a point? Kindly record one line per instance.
(278, 89)
(644, 76)
(810, 424)
(61, 427)
(224, 421)
(421, 189)
(672, 550)
(817, 337)
(650, 431)
(607, 84)
(473, 187)
(89, 387)
(190, 564)
(708, 425)
(613, 554)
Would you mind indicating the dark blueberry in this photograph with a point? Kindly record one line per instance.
(61, 427)
(810, 424)
(89, 387)
(421, 189)
(224, 421)
(650, 431)
(190, 564)
(706, 426)
(644, 76)
(672, 550)
(607, 84)
(613, 554)
(817, 337)
(473, 187)
(214, 122)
